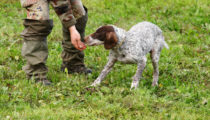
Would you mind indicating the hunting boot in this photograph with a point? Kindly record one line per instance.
(35, 49)
(73, 59)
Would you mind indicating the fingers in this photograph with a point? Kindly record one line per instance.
(81, 45)
(78, 45)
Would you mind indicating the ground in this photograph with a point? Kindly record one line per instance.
(184, 85)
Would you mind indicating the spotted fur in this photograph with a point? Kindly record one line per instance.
(131, 47)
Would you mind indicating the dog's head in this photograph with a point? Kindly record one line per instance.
(104, 35)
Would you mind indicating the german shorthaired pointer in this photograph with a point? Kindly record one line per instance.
(129, 47)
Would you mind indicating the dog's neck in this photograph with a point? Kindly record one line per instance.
(120, 34)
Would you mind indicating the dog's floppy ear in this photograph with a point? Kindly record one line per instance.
(110, 41)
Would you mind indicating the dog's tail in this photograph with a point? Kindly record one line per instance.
(164, 42)
(165, 45)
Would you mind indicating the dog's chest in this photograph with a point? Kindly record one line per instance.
(124, 55)
(126, 58)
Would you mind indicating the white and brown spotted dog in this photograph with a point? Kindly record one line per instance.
(129, 47)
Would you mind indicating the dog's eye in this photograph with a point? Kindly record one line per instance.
(100, 36)
(95, 35)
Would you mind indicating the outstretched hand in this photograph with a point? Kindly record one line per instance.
(76, 39)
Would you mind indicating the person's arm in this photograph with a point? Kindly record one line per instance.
(65, 13)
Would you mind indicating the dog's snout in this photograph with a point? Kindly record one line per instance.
(86, 39)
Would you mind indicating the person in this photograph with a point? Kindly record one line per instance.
(38, 25)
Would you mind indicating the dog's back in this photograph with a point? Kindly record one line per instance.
(142, 38)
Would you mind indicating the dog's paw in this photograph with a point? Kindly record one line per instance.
(154, 84)
(90, 89)
(134, 85)
(95, 83)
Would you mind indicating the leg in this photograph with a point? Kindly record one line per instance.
(34, 50)
(155, 55)
(73, 59)
(137, 76)
(104, 72)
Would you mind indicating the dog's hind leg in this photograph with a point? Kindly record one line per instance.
(137, 76)
(155, 56)
(105, 71)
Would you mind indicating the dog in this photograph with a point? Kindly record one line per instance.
(129, 47)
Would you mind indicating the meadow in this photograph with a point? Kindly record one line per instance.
(184, 83)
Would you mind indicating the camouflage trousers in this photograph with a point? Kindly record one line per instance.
(37, 27)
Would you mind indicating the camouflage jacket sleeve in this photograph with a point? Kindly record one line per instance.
(68, 11)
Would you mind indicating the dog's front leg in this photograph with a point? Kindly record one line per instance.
(105, 71)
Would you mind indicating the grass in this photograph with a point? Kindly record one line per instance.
(184, 85)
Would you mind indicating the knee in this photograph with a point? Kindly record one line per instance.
(37, 27)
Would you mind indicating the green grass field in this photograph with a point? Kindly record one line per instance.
(184, 86)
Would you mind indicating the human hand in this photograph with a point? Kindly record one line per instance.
(76, 39)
